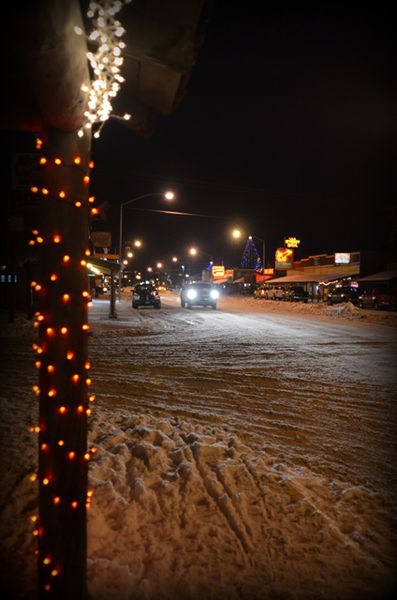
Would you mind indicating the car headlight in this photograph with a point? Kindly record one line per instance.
(191, 294)
(214, 294)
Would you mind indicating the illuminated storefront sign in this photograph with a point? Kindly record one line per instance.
(217, 271)
(342, 258)
(268, 271)
(284, 258)
(292, 242)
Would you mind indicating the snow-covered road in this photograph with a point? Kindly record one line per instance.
(320, 387)
(246, 453)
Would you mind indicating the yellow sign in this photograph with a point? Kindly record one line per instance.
(292, 242)
(218, 271)
(284, 258)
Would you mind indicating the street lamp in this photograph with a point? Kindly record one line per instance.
(167, 195)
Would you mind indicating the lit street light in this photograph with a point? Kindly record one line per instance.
(167, 195)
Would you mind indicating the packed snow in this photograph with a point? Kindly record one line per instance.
(246, 453)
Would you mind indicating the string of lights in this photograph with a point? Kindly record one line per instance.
(105, 62)
(64, 380)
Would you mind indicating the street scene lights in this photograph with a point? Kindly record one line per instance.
(236, 234)
(168, 195)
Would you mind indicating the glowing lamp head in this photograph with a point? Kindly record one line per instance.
(169, 195)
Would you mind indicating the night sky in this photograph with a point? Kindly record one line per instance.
(287, 127)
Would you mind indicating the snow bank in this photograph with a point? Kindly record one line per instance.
(345, 310)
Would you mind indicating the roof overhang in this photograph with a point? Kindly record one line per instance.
(381, 276)
(303, 277)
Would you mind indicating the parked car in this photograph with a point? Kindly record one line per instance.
(296, 294)
(199, 293)
(378, 298)
(261, 291)
(269, 292)
(343, 293)
(145, 294)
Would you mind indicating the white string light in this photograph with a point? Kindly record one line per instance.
(105, 63)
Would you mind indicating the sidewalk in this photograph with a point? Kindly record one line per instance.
(100, 309)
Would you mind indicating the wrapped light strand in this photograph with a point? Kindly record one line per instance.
(105, 63)
(62, 365)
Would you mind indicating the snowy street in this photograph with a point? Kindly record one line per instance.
(244, 453)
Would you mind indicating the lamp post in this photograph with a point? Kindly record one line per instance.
(167, 195)
(263, 249)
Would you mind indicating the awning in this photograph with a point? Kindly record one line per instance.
(104, 266)
(303, 277)
(381, 276)
(222, 280)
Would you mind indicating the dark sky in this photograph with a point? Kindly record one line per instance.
(288, 127)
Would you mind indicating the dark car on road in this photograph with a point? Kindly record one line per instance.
(199, 293)
(145, 294)
(378, 298)
(343, 293)
(296, 294)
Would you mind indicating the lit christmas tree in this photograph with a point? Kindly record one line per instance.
(251, 258)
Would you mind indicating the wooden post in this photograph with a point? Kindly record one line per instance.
(62, 291)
